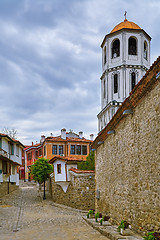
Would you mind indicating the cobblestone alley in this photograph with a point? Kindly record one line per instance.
(24, 215)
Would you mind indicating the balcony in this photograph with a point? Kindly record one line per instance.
(3, 153)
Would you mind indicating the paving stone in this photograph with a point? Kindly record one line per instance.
(30, 217)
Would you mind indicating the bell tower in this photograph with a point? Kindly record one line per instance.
(125, 60)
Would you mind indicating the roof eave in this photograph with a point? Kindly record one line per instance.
(120, 30)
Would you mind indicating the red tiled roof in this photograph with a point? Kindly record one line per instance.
(81, 171)
(11, 139)
(68, 139)
(32, 146)
(140, 90)
(65, 159)
(2, 134)
(26, 147)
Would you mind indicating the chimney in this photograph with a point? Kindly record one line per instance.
(42, 139)
(63, 133)
(32, 143)
(81, 134)
(91, 137)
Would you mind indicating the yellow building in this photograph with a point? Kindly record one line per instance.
(68, 144)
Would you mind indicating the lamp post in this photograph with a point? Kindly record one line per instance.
(44, 193)
(24, 173)
(8, 183)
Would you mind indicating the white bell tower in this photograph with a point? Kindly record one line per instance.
(125, 60)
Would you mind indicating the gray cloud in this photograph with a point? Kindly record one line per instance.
(50, 60)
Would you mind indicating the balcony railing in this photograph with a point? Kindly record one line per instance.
(3, 153)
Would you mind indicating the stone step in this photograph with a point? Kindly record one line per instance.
(110, 231)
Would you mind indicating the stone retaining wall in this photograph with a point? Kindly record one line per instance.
(4, 188)
(80, 193)
(127, 167)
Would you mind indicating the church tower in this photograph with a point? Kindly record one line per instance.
(125, 60)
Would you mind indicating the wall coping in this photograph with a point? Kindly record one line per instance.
(81, 173)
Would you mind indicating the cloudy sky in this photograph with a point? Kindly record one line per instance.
(50, 60)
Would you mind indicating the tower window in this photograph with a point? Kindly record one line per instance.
(145, 50)
(132, 49)
(105, 59)
(133, 80)
(116, 83)
(116, 48)
(104, 89)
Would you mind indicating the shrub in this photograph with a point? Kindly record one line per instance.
(123, 225)
(152, 236)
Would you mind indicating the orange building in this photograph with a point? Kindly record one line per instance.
(32, 153)
(68, 144)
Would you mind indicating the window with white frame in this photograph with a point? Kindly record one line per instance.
(115, 82)
(145, 50)
(133, 80)
(44, 149)
(105, 58)
(11, 148)
(132, 46)
(104, 88)
(72, 150)
(54, 149)
(59, 171)
(78, 149)
(60, 149)
(116, 48)
(84, 149)
(4, 167)
(17, 150)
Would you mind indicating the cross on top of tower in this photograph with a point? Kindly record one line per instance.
(125, 14)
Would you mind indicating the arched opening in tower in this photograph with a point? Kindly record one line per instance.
(116, 48)
(132, 49)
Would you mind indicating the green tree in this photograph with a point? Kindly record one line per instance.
(89, 164)
(41, 171)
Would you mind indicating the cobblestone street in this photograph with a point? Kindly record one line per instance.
(24, 215)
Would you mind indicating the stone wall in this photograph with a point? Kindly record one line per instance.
(4, 188)
(80, 193)
(127, 167)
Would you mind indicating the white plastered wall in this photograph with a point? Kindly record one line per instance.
(60, 176)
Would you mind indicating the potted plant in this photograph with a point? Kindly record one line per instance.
(91, 212)
(96, 216)
(101, 221)
(152, 236)
(123, 225)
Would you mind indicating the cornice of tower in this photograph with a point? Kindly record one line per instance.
(122, 67)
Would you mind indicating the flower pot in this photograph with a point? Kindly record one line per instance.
(122, 231)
